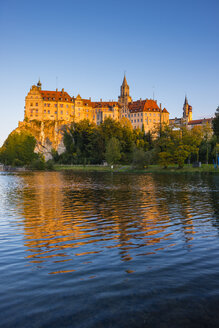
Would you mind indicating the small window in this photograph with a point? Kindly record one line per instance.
(61, 105)
(48, 111)
(44, 105)
(56, 105)
(44, 111)
(48, 105)
(36, 104)
(61, 111)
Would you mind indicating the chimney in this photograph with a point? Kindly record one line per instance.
(56, 89)
(160, 107)
(100, 99)
(62, 90)
(89, 98)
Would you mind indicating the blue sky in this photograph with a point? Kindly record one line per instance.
(166, 47)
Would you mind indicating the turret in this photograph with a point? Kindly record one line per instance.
(39, 85)
(124, 97)
(187, 111)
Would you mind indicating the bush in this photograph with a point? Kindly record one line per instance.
(49, 165)
(38, 164)
(141, 158)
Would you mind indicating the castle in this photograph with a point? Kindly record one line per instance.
(187, 120)
(42, 105)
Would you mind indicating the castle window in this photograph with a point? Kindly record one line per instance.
(44, 105)
(36, 110)
(36, 104)
(150, 114)
(48, 105)
(44, 111)
(56, 105)
(48, 111)
(61, 111)
(56, 112)
(138, 120)
(61, 105)
(66, 106)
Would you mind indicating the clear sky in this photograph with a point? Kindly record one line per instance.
(168, 47)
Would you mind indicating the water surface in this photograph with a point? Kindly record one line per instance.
(109, 250)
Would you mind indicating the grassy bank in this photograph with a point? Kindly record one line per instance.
(127, 168)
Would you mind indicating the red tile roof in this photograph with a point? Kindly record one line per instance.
(145, 106)
(55, 96)
(106, 104)
(201, 121)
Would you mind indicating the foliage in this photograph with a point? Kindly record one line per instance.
(18, 149)
(87, 143)
(216, 123)
(142, 159)
(113, 153)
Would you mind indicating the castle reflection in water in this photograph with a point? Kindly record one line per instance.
(75, 214)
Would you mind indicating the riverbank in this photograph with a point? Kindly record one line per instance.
(205, 168)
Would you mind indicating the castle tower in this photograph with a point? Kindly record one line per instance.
(124, 97)
(187, 111)
(39, 85)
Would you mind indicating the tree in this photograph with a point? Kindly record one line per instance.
(141, 158)
(113, 154)
(165, 159)
(18, 149)
(215, 123)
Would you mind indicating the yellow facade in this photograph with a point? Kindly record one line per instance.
(57, 105)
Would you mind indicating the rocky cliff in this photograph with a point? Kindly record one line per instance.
(48, 134)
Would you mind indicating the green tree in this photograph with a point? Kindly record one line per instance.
(215, 123)
(141, 158)
(18, 149)
(113, 153)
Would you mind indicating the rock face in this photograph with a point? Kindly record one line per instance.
(48, 134)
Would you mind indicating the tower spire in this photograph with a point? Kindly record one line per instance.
(39, 84)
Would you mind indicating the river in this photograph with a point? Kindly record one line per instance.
(106, 250)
